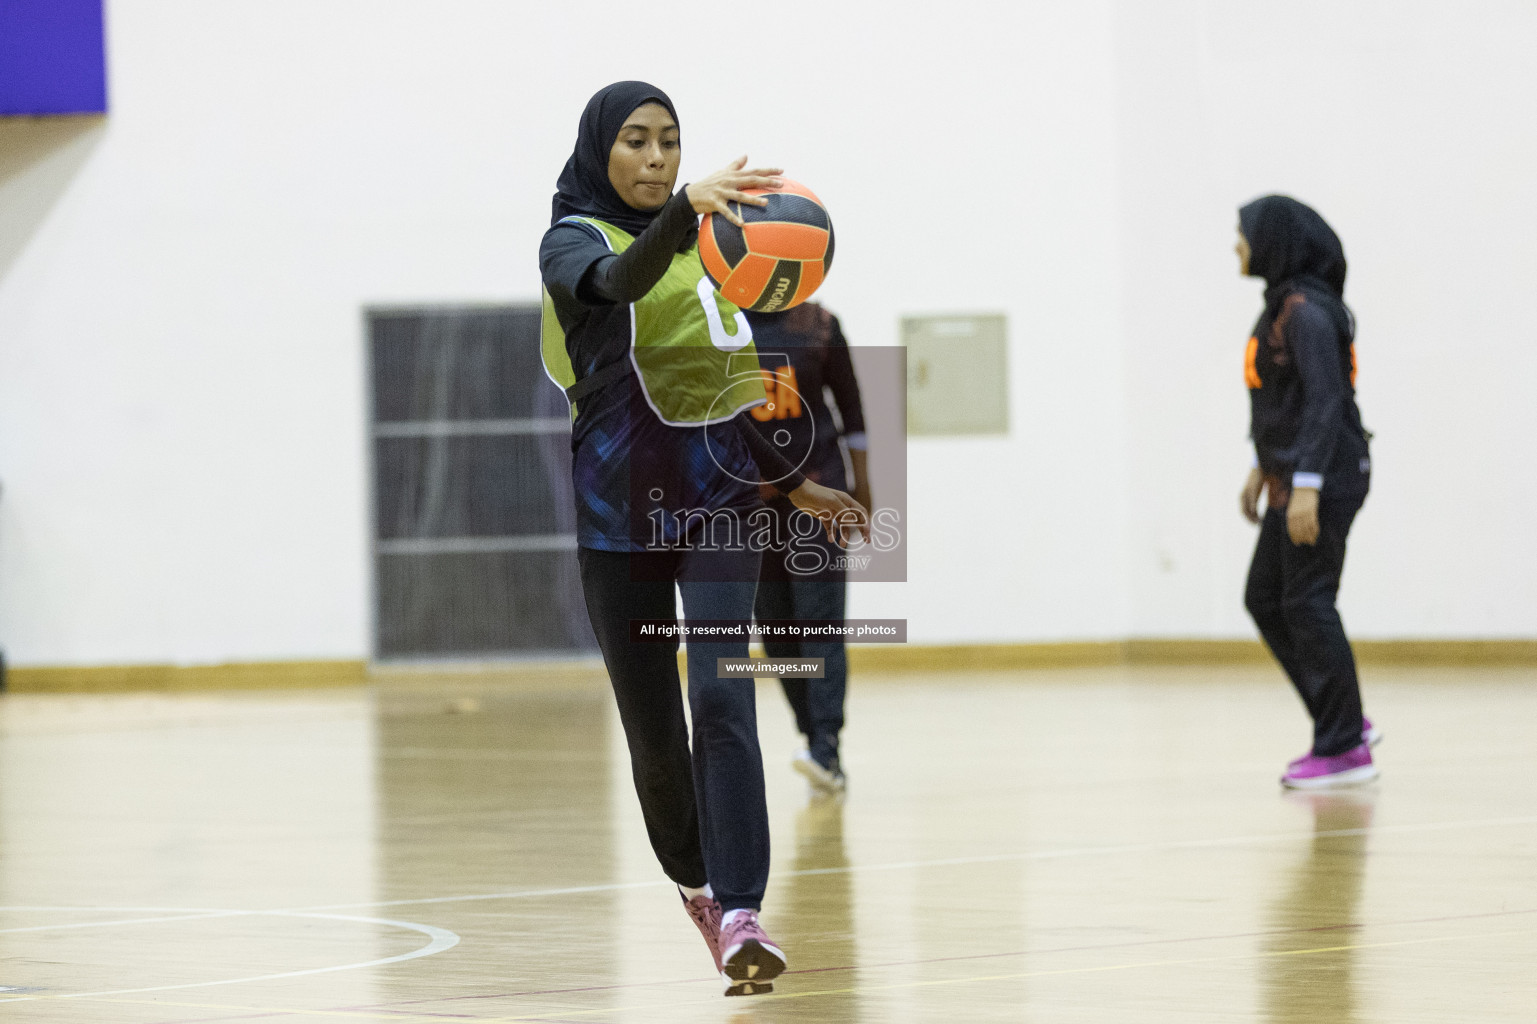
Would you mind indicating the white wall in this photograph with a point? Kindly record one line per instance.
(181, 353)
(1413, 128)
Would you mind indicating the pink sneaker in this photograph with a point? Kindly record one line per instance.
(1370, 735)
(706, 914)
(751, 959)
(1352, 768)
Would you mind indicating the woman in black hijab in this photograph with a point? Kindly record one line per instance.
(1311, 460)
(665, 471)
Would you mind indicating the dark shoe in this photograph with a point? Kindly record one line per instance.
(824, 778)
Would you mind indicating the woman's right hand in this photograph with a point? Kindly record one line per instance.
(1248, 498)
(715, 193)
(837, 510)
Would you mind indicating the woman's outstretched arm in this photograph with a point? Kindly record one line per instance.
(631, 274)
(836, 509)
(772, 466)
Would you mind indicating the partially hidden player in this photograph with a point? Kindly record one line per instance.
(806, 357)
(1314, 468)
(663, 465)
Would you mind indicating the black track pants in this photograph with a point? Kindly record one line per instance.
(705, 810)
(1291, 594)
(784, 594)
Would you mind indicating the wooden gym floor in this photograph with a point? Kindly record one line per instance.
(1080, 845)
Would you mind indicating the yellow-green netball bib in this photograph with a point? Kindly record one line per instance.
(691, 349)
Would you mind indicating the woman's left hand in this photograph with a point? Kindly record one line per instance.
(1302, 516)
(836, 509)
(716, 193)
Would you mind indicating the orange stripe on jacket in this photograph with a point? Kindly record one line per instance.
(1250, 369)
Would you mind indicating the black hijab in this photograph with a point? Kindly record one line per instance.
(583, 188)
(1294, 249)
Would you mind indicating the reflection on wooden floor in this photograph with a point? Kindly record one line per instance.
(1309, 953)
(1087, 845)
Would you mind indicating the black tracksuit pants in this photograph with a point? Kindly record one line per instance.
(786, 594)
(705, 809)
(1291, 594)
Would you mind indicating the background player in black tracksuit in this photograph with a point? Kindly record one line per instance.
(1312, 461)
(803, 354)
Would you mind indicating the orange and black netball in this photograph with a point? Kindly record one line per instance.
(778, 258)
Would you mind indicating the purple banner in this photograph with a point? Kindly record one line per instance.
(52, 57)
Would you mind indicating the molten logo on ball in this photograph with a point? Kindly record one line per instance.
(778, 258)
(777, 299)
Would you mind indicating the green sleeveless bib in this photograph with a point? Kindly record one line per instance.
(690, 347)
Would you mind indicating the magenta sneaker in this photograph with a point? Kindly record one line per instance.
(1352, 768)
(751, 959)
(1370, 735)
(706, 914)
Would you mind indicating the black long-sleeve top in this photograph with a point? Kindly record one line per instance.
(628, 276)
(1304, 421)
(582, 275)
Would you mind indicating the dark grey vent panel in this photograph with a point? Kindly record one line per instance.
(474, 539)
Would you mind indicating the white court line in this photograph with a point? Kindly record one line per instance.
(173, 914)
(1085, 851)
(443, 939)
(440, 939)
